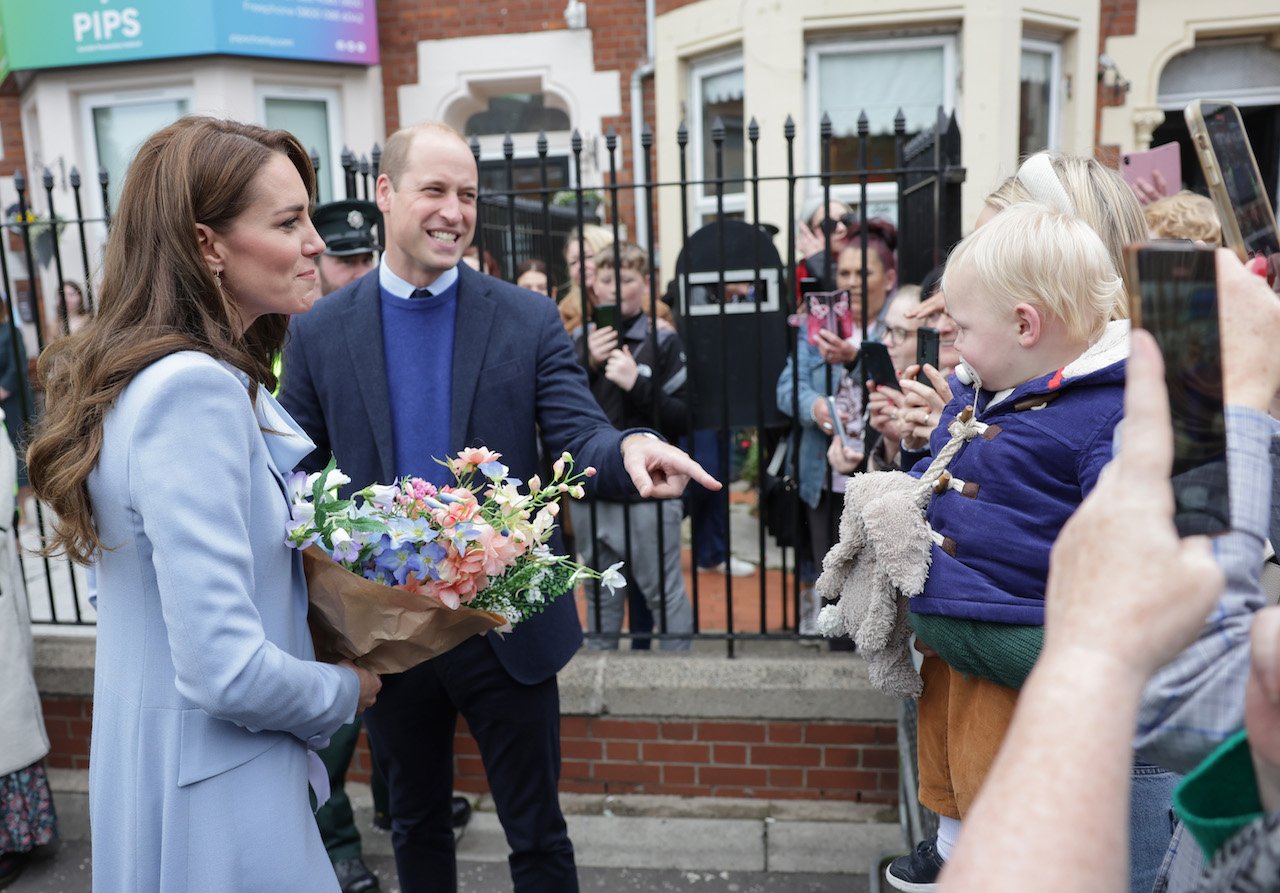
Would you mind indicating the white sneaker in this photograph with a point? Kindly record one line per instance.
(737, 567)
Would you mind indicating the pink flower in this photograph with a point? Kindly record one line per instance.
(473, 457)
(499, 551)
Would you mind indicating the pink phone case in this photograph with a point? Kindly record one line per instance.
(1166, 159)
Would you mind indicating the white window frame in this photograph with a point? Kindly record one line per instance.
(1054, 52)
(877, 193)
(132, 96)
(703, 206)
(333, 107)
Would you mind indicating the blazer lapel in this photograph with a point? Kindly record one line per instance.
(470, 337)
(363, 325)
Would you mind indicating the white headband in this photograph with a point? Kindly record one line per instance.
(1039, 178)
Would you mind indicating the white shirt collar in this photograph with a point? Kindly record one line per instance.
(402, 289)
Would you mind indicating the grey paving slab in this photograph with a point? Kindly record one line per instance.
(678, 843)
(828, 847)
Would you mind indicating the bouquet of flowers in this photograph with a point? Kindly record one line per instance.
(401, 573)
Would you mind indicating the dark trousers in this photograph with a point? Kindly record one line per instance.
(517, 728)
(335, 819)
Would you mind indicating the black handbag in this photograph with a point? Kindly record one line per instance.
(780, 507)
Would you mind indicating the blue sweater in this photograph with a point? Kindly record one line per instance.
(417, 338)
(1046, 446)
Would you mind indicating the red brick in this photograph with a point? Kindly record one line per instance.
(581, 749)
(781, 755)
(841, 734)
(465, 765)
(786, 778)
(581, 787)
(622, 751)
(733, 775)
(843, 757)
(842, 780)
(624, 728)
(676, 753)
(677, 731)
(630, 772)
(678, 775)
(729, 754)
(575, 769)
(62, 707)
(786, 732)
(689, 790)
(730, 731)
(574, 727)
(878, 758)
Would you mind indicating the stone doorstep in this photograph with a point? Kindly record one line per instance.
(639, 831)
(773, 684)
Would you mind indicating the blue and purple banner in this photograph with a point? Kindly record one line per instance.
(64, 33)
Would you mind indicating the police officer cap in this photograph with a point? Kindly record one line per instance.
(347, 227)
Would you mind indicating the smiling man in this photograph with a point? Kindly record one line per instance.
(413, 362)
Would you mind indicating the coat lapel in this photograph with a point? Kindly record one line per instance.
(363, 325)
(470, 338)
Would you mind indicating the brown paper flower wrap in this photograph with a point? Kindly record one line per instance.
(382, 629)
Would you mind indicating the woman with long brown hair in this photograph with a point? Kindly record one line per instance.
(161, 454)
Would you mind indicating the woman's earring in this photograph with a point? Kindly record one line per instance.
(217, 277)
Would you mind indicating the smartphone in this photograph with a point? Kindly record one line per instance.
(1167, 159)
(877, 365)
(1235, 183)
(855, 444)
(1177, 302)
(605, 315)
(927, 342)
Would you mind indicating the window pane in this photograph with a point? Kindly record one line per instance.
(722, 97)
(1035, 101)
(118, 131)
(308, 120)
(517, 113)
(880, 82)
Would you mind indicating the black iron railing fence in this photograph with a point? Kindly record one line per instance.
(734, 286)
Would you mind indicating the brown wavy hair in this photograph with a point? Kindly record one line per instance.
(158, 296)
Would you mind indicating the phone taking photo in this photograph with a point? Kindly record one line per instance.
(1177, 302)
(605, 316)
(877, 365)
(1235, 183)
(928, 342)
(851, 443)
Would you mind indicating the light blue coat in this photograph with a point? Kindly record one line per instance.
(206, 695)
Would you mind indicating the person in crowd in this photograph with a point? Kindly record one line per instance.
(1086, 695)
(18, 403)
(347, 228)
(827, 228)
(1184, 215)
(350, 246)
(499, 370)
(160, 454)
(1197, 701)
(1069, 183)
(1124, 594)
(803, 396)
(488, 264)
(28, 821)
(581, 261)
(639, 381)
(77, 314)
(1031, 293)
(532, 274)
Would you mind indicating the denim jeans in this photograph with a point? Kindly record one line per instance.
(1150, 823)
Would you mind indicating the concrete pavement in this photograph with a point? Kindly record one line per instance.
(633, 843)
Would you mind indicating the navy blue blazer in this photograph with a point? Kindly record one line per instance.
(515, 378)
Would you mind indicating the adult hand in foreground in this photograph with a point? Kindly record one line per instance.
(1262, 705)
(1249, 315)
(370, 685)
(660, 470)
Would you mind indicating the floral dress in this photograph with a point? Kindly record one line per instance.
(27, 819)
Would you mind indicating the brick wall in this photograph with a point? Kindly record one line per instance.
(11, 131)
(1118, 18)
(618, 37)
(601, 755)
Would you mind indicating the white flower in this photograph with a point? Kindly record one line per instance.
(612, 579)
(829, 620)
(534, 596)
